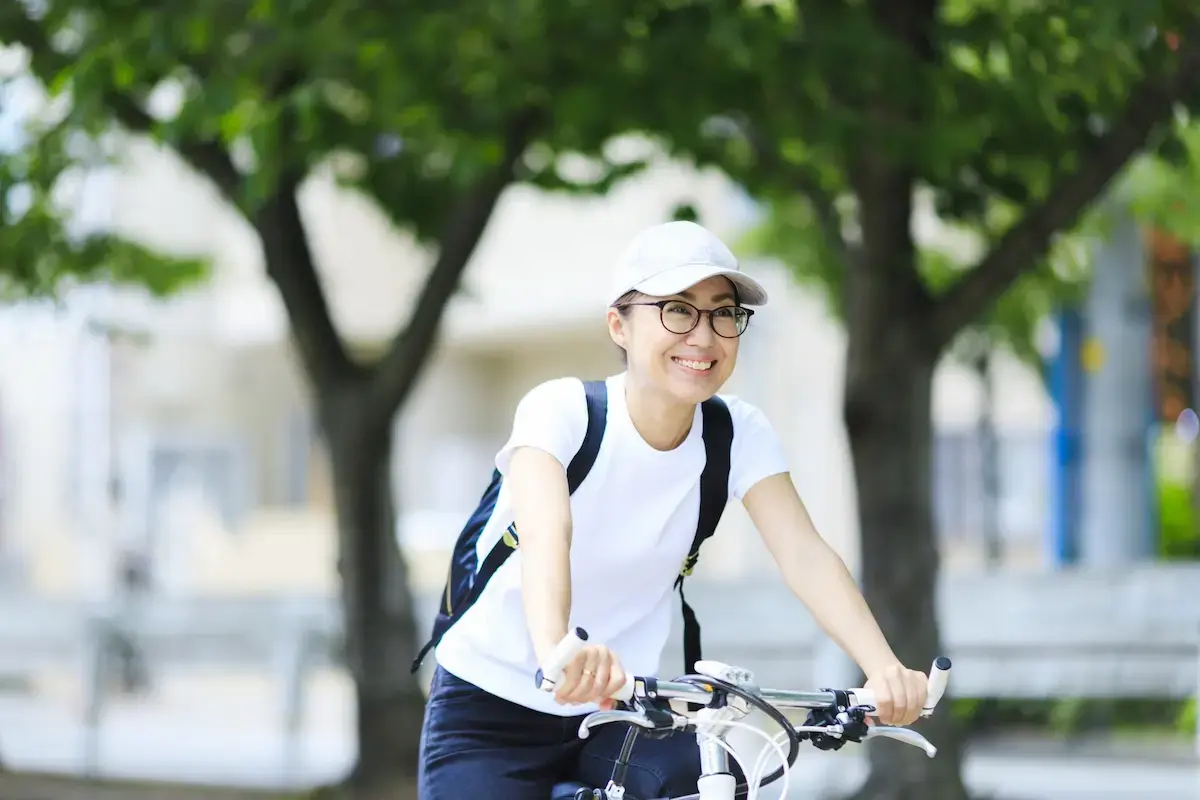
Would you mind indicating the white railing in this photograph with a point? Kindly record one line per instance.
(288, 637)
(1012, 636)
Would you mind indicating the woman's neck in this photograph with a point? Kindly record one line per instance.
(662, 422)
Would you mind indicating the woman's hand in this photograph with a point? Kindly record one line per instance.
(900, 694)
(591, 677)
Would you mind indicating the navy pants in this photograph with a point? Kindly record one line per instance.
(476, 745)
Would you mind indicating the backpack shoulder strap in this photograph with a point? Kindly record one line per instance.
(714, 494)
(469, 577)
(596, 395)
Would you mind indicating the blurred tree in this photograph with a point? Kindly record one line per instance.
(1165, 193)
(430, 111)
(43, 250)
(1164, 187)
(1012, 118)
(789, 233)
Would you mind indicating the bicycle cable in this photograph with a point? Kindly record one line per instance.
(754, 777)
(760, 764)
(776, 716)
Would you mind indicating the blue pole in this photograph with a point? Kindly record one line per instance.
(1066, 385)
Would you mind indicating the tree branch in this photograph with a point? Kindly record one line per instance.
(289, 260)
(804, 182)
(397, 372)
(291, 267)
(207, 157)
(1151, 104)
(884, 286)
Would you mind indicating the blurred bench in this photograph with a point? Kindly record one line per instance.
(1135, 634)
(39, 634)
(288, 637)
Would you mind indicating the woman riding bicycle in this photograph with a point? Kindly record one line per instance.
(604, 553)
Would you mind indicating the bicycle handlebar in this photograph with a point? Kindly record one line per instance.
(547, 677)
(835, 717)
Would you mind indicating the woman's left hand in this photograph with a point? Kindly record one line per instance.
(900, 694)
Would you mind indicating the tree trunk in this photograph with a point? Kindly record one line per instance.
(378, 607)
(888, 419)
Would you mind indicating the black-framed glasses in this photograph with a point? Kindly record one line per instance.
(678, 316)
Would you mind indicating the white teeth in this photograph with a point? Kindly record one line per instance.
(696, 365)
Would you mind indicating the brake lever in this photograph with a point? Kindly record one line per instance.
(656, 721)
(905, 735)
(598, 718)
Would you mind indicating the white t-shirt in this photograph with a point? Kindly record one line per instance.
(632, 523)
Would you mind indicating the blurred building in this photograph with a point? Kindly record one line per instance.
(182, 430)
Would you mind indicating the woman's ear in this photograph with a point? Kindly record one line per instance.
(616, 327)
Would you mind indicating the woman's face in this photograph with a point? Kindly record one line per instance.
(688, 367)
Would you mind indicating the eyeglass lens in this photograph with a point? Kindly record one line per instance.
(728, 322)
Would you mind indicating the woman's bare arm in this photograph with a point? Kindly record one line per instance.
(815, 572)
(541, 503)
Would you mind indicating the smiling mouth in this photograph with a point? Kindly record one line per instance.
(695, 366)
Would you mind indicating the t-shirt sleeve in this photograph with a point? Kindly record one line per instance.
(552, 417)
(757, 451)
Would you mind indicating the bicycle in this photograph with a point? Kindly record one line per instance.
(722, 695)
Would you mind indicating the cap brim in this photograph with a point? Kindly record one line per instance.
(680, 279)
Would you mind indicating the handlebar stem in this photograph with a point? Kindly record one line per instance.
(709, 727)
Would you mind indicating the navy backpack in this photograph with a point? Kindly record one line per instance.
(467, 578)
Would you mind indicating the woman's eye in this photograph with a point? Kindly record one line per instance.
(724, 312)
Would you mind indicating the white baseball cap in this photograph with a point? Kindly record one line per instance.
(672, 257)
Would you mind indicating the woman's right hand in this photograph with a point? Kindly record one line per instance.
(591, 677)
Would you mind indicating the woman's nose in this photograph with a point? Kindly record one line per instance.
(702, 334)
